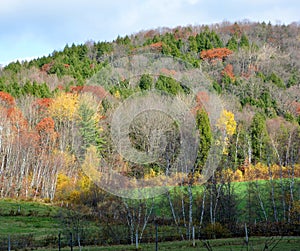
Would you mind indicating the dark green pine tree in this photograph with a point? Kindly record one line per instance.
(244, 42)
(215, 40)
(27, 88)
(16, 90)
(259, 138)
(232, 43)
(168, 85)
(200, 39)
(44, 91)
(146, 82)
(205, 138)
(36, 89)
(193, 44)
(3, 86)
(89, 128)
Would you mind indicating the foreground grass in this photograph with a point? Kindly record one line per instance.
(23, 217)
(234, 244)
(41, 221)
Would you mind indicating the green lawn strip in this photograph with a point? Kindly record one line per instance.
(27, 225)
(26, 208)
(240, 190)
(23, 217)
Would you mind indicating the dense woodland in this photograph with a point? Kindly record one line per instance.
(54, 124)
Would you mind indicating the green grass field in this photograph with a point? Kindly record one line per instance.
(41, 221)
(32, 217)
(21, 217)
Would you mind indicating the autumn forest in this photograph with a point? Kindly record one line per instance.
(57, 113)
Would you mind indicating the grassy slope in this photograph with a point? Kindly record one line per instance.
(240, 190)
(40, 219)
(37, 218)
(27, 217)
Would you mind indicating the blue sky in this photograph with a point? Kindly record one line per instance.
(33, 28)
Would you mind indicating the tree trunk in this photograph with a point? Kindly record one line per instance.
(202, 212)
(174, 215)
(272, 194)
(260, 201)
(190, 193)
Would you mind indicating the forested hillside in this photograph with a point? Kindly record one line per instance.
(55, 124)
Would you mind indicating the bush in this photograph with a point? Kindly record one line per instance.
(217, 230)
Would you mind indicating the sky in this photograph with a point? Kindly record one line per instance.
(34, 28)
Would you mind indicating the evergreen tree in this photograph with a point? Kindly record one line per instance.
(89, 128)
(259, 138)
(205, 137)
(244, 42)
(146, 82)
(193, 44)
(232, 43)
(168, 85)
(44, 91)
(27, 88)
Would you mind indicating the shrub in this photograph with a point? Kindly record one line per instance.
(217, 230)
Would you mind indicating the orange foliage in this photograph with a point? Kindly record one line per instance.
(43, 103)
(47, 67)
(46, 131)
(217, 53)
(228, 71)
(157, 46)
(76, 89)
(45, 125)
(7, 98)
(17, 119)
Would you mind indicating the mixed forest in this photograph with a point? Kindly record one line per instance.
(55, 123)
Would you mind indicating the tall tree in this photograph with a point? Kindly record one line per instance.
(259, 138)
(205, 137)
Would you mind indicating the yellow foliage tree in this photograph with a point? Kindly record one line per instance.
(64, 187)
(227, 125)
(64, 107)
(238, 175)
(91, 164)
